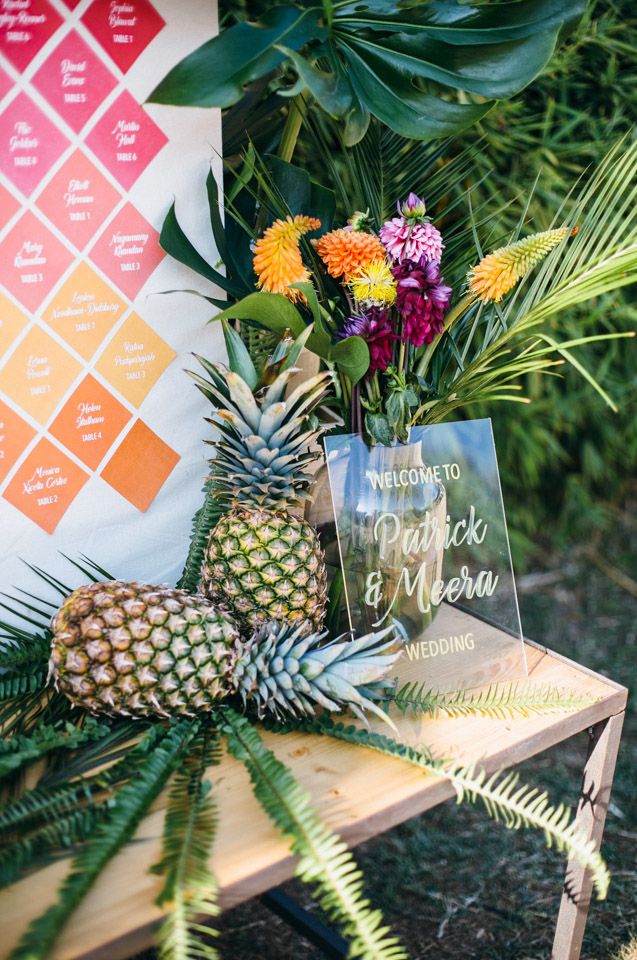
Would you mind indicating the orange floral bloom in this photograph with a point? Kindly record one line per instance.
(346, 252)
(277, 257)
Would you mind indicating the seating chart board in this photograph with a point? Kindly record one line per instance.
(101, 432)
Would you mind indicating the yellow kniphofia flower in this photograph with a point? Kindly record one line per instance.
(374, 285)
(499, 271)
(277, 256)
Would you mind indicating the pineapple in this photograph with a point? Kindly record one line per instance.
(139, 650)
(262, 562)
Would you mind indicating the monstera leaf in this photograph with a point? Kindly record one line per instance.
(401, 61)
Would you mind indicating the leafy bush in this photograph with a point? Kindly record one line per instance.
(567, 454)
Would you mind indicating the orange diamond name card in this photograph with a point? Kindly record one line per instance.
(84, 310)
(45, 484)
(135, 359)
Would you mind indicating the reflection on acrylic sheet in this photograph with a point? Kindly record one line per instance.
(422, 540)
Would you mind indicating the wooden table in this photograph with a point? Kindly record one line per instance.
(359, 793)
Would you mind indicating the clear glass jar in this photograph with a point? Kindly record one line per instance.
(385, 528)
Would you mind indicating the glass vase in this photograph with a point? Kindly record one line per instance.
(385, 508)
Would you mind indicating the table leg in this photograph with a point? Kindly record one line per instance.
(591, 816)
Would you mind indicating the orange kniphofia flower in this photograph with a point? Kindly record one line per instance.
(277, 257)
(498, 272)
(346, 252)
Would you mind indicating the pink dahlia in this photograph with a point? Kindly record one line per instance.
(375, 328)
(422, 299)
(410, 239)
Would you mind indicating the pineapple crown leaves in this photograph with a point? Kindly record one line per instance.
(504, 798)
(288, 670)
(324, 860)
(266, 442)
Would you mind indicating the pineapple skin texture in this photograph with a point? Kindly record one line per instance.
(264, 565)
(139, 650)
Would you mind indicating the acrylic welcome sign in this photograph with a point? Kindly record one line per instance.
(423, 543)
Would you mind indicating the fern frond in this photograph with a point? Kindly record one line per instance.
(49, 838)
(497, 701)
(203, 522)
(324, 859)
(23, 749)
(503, 796)
(190, 888)
(128, 807)
(48, 820)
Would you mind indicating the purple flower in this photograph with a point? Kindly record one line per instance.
(422, 299)
(413, 207)
(375, 328)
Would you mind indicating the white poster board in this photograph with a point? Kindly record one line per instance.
(101, 430)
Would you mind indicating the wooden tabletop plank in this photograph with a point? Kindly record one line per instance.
(358, 792)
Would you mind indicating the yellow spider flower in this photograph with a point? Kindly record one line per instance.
(374, 285)
(499, 271)
(277, 256)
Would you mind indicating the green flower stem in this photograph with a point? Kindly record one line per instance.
(460, 308)
(292, 128)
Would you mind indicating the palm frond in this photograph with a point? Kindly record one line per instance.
(602, 257)
(498, 701)
(125, 738)
(15, 687)
(324, 859)
(48, 840)
(189, 830)
(128, 807)
(504, 798)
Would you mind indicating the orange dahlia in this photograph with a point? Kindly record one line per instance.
(345, 252)
(277, 257)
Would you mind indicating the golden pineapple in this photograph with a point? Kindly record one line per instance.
(139, 650)
(263, 563)
(136, 649)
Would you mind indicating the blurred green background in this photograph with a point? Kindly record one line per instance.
(568, 463)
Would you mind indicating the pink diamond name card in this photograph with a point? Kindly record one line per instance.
(423, 545)
(101, 448)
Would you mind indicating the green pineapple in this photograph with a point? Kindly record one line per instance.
(138, 650)
(262, 562)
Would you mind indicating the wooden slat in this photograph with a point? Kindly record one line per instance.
(359, 793)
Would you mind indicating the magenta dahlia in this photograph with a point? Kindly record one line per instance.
(375, 328)
(422, 299)
(410, 236)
